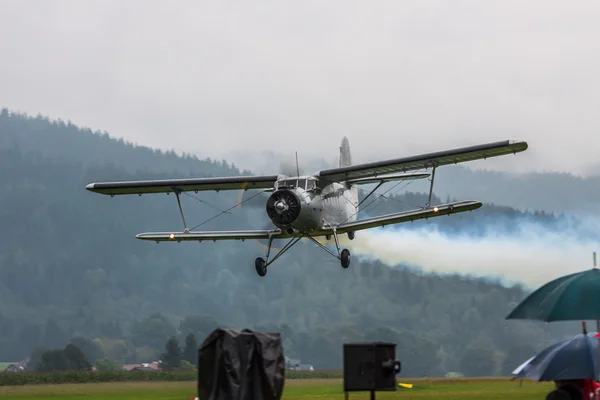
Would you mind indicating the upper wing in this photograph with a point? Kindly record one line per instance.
(214, 235)
(388, 178)
(408, 216)
(440, 158)
(183, 185)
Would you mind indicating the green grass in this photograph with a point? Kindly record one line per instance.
(313, 389)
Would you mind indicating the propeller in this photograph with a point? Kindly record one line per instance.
(283, 206)
(285, 168)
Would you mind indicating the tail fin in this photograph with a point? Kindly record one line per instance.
(345, 156)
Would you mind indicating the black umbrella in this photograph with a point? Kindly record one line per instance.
(572, 358)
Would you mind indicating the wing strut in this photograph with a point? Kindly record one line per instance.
(177, 193)
(428, 205)
(372, 191)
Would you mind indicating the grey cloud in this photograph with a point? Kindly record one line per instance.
(397, 78)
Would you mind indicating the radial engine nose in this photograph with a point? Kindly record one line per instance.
(280, 206)
(283, 207)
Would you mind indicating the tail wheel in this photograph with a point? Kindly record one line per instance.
(345, 258)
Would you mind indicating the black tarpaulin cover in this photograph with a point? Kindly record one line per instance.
(241, 365)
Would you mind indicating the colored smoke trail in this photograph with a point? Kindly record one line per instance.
(532, 256)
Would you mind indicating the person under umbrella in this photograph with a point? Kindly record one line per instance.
(572, 365)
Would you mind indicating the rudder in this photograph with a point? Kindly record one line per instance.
(345, 156)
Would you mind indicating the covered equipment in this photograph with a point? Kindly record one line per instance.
(241, 365)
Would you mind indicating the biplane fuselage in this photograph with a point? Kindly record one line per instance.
(322, 204)
(304, 204)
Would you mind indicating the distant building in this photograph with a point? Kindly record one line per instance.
(295, 365)
(291, 363)
(153, 366)
(304, 367)
(21, 366)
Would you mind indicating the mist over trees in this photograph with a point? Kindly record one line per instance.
(71, 270)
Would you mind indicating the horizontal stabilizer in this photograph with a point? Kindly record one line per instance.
(388, 178)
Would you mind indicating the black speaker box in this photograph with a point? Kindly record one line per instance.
(370, 366)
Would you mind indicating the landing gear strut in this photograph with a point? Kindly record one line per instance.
(343, 255)
(261, 264)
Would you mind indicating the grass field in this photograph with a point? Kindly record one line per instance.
(313, 389)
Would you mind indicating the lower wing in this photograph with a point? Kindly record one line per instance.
(409, 216)
(389, 219)
(213, 235)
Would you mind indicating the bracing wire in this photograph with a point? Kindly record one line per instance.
(227, 210)
(381, 195)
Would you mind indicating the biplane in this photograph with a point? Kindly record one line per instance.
(325, 203)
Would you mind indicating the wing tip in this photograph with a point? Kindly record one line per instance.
(521, 144)
(92, 188)
(158, 235)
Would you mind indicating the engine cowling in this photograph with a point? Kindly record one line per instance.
(284, 207)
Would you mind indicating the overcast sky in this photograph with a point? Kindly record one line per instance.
(396, 77)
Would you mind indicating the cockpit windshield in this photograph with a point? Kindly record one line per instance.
(304, 183)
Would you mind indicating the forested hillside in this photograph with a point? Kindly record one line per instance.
(70, 266)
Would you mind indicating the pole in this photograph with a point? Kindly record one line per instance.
(597, 321)
(597, 332)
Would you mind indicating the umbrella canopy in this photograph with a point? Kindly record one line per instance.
(520, 367)
(571, 297)
(573, 358)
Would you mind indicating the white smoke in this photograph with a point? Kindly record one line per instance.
(532, 256)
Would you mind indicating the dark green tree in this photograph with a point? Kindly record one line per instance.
(71, 358)
(91, 350)
(76, 360)
(53, 360)
(190, 350)
(171, 359)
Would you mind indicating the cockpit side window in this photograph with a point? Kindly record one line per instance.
(311, 184)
